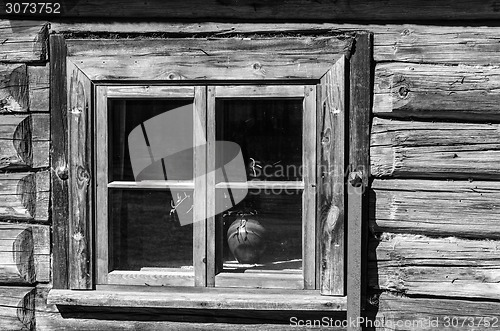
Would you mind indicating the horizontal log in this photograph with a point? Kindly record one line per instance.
(391, 42)
(38, 88)
(17, 308)
(436, 207)
(437, 91)
(393, 250)
(16, 254)
(403, 313)
(434, 150)
(360, 10)
(24, 196)
(23, 41)
(461, 282)
(220, 59)
(13, 88)
(24, 141)
(420, 265)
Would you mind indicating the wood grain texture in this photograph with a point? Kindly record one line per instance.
(16, 254)
(59, 160)
(331, 112)
(473, 45)
(360, 86)
(309, 177)
(434, 150)
(437, 44)
(418, 265)
(51, 317)
(13, 88)
(17, 308)
(360, 10)
(25, 196)
(80, 201)
(437, 91)
(206, 298)
(436, 207)
(23, 41)
(391, 309)
(41, 252)
(38, 77)
(221, 59)
(24, 141)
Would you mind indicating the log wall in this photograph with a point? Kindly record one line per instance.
(435, 188)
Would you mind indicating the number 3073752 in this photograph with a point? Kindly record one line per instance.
(33, 8)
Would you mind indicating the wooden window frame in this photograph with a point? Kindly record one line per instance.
(75, 71)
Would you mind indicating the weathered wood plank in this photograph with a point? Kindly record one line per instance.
(80, 205)
(461, 282)
(438, 44)
(431, 314)
(360, 85)
(455, 208)
(392, 42)
(393, 250)
(434, 150)
(51, 317)
(39, 88)
(41, 252)
(24, 141)
(205, 298)
(13, 88)
(436, 91)
(331, 112)
(17, 308)
(230, 67)
(360, 10)
(221, 59)
(208, 47)
(25, 196)
(23, 41)
(16, 254)
(59, 160)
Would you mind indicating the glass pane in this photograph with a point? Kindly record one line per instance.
(144, 229)
(267, 238)
(150, 139)
(269, 132)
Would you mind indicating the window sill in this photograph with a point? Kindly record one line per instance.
(198, 298)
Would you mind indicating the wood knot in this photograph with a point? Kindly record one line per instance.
(403, 91)
(62, 172)
(82, 174)
(173, 76)
(356, 178)
(257, 66)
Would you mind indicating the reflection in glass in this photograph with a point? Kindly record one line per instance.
(269, 132)
(261, 233)
(144, 229)
(154, 138)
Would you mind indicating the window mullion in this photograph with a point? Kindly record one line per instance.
(211, 226)
(200, 188)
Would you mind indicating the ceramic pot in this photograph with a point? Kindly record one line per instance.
(246, 239)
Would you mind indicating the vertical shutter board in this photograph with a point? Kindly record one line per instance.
(331, 122)
(80, 147)
(359, 166)
(59, 161)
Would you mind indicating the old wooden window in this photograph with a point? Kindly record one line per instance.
(121, 191)
(170, 203)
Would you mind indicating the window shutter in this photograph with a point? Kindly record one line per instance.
(331, 162)
(80, 199)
